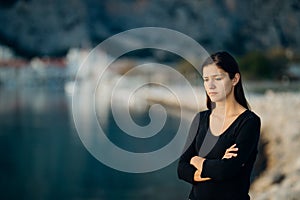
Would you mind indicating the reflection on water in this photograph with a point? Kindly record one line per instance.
(42, 156)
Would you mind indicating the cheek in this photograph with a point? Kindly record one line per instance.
(224, 87)
(228, 87)
(205, 85)
(221, 85)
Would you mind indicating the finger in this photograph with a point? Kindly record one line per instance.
(230, 155)
(234, 149)
(226, 157)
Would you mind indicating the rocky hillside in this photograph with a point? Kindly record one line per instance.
(281, 133)
(51, 27)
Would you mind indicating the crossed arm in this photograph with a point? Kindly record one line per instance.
(198, 161)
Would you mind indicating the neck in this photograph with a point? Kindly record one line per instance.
(228, 107)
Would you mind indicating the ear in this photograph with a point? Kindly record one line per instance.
(236, 79)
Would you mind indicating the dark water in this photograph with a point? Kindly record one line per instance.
(42, 156)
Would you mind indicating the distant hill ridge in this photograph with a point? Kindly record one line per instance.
(51, 27)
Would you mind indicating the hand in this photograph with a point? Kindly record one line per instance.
(231, 152)
(197, 162)
(197, 177)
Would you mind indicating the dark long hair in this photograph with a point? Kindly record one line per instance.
(225, 61)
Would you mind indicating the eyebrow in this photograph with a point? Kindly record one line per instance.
(214, 75)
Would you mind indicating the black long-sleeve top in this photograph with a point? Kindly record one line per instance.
(230, 178)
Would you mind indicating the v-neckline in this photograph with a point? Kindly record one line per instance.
(232, 123)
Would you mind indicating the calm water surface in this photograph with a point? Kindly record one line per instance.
(42, 156)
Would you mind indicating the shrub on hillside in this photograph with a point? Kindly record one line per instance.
(259, 66)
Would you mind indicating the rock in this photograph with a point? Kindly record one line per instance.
(278, 178)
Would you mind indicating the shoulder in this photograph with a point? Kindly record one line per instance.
(200, 117)
(204, 113)
(251, 115)
(201, 114)
(248, 126)
(250, 118)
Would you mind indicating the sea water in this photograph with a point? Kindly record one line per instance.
(42, 156)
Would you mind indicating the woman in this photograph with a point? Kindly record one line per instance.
(219, 161)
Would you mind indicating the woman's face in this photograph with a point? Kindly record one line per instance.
(217, 83)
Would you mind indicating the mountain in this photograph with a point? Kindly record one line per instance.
(51, 27)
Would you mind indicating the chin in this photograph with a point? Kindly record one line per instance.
(215, 100)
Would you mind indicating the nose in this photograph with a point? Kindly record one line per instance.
(211, 84)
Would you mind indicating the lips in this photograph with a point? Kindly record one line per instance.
(212, 93)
